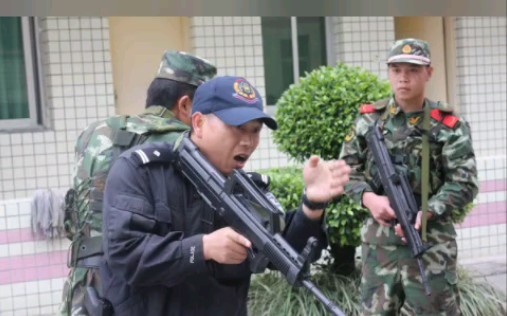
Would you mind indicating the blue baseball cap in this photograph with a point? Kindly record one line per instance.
(232, 99)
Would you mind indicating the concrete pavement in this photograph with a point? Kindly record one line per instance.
(491, 269)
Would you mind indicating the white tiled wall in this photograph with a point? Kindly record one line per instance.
(76, 67)
(42, 294)
(234, 44)
(77, 72)
(481, 51)
(481, 61)
(363, 42)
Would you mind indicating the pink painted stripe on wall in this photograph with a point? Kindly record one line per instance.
(25, 234)
(17, 235)
(53, 265)
(493, 186)
(486, 214)
(33, 267)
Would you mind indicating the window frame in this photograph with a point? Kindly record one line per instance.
(331, 58)
(31, 51)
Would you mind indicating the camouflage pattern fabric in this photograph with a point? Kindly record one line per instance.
(453, 184)
(390, 278)
(410, 50)
(182, 67)
(94, 153)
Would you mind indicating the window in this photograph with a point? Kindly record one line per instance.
(286, 40)
(19, 78)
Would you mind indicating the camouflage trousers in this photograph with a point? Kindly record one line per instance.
(391, 283)
(75, 295)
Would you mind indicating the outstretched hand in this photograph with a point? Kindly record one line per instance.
(325, 180)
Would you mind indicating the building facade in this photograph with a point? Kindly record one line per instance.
(59, 74)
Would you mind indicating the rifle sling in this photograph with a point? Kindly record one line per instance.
(425, 170)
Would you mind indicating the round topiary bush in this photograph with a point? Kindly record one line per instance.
(314, 116)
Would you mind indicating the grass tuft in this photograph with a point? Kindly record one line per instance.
(271, 295)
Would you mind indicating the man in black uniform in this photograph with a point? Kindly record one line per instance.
(166, 252)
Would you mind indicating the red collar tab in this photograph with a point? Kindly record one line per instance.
(367, 109)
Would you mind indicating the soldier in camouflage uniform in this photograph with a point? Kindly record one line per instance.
(167, 115)
(391, 278)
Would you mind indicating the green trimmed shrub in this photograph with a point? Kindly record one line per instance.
(314, 116)
(287, 185)
(344, 216)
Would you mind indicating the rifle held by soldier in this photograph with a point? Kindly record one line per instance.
(247, 210)
(401, 198)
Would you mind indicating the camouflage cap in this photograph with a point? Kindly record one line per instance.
(410, 50)
(183, 67)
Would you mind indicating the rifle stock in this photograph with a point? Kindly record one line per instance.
(247, 210)
(401, 197)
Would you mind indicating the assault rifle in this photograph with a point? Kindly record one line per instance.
(247, 210)
(400, 196)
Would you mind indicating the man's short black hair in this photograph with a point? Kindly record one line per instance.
(166, 92)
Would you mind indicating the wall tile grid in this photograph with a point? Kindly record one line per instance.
(481, 69)
(77, 79)
(32, 268)
(363, 42)
(77, 76)
(481, 65)
(77, 72)
(234, 44)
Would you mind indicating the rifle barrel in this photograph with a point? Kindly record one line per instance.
(331, 307)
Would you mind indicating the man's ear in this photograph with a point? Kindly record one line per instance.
(184, 109)
(430, 72)
(185, 105)
(197, 124)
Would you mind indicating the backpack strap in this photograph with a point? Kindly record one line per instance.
(126, 139)
(86, 252)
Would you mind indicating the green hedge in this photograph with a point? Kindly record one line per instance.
(344, 216)
(314, 116)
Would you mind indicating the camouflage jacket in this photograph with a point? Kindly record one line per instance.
(94, 153)
(453, 178)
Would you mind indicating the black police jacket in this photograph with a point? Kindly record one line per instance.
(153, 224)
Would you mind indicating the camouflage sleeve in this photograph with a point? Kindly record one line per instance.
(354, 153)
(460, 185)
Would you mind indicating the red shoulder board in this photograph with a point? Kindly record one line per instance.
(367, 108)
(450, 121)
(437, 115)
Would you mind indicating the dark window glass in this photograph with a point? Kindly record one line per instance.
(14, 102)
(278, 54)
